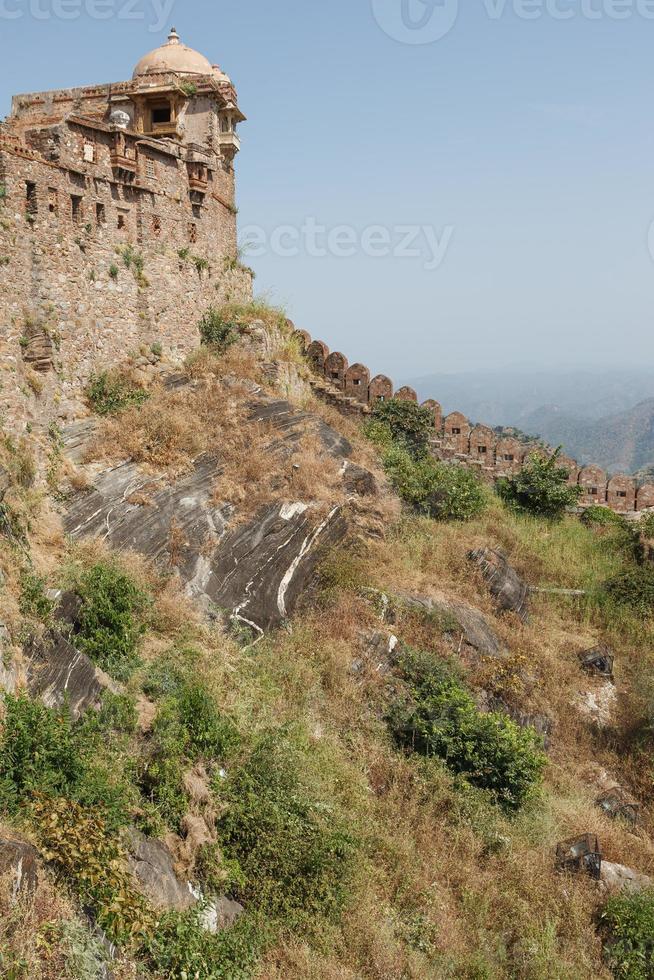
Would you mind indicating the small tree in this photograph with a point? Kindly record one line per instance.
(408, 423)
(218, 330)
(541, 487)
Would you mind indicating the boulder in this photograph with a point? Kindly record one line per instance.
(476, 630)
(507, 588)
(378, 653)
(68, 610)
(152, 865)
(59, 674)
(580, 854)
(220, 913)
(616, 803)
(618, 878)
(19, 866)
(359, 482)
(598, 661)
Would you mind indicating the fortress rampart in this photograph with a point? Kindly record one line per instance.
(117, 221)
(353, 390)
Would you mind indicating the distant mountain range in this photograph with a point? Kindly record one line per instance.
(600, 417)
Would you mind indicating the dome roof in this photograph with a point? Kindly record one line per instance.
(173, 56)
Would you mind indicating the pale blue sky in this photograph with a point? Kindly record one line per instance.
(532, 140)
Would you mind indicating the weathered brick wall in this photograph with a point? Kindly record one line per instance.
(455, 438)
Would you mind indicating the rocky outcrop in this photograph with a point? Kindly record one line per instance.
(19, 867)
(507, 588)
(616, 803)
(618, 878)
(255, 571)
(152, 865)
(475, 630)
(60, 675)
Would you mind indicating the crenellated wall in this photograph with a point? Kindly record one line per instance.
(354, 392)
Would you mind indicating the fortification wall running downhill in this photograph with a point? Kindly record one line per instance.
(353, 390)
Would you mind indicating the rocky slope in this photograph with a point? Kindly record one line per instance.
(261, 721)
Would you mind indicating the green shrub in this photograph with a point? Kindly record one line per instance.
(188, 727)
(38, 752)
(602, 517)
(438, 717)
(110, 392)
(181, 948)
(541, 487)
(627, 924)
(646, 525)
(633, 588)
(408, 423)
(217, 329)
(87, 851)
(110, 622)
(33, 598)
(439, 490)
(296, 856)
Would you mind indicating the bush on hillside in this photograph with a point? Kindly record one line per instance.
(438, 717)
(110, 623)
(633, 588)
(627, 924)
(295, 855)
(408, 423)
(541, 487)
(218, 329)
(443, 491)
(111, 392)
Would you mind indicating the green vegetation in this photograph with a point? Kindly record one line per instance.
(438, 717)
(84, 848)
(113, 271)
(633, 588)
(627, 923)
(446, 492)
(442, 491)
(111, 619)
(295, 855)
(33, 599)
(217, 329)
(408, 425)
(111, 392)
(541, 487)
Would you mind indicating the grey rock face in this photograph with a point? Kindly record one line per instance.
(59, 674)
(19, 863)
(359, 481)
(504, 583)
(255, 571)
(618, 878)
(616, 803)
(152, 866)
(220, 913)
(476, 630)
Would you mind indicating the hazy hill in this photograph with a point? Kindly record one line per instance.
(603, 417)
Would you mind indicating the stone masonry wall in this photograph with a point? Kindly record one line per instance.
(354, 392)
(98, 267)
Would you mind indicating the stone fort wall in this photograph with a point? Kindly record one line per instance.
(93, 267)
(353, 390)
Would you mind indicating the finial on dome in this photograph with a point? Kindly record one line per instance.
(173, 37)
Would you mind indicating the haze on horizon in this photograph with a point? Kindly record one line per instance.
(519, 150)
